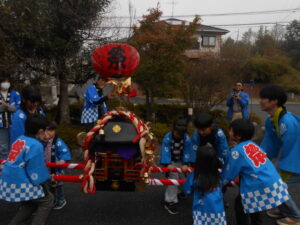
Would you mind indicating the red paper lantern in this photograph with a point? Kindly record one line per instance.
(115, 60)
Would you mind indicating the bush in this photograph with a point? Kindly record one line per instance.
(266, 69)
(68, 134)
(220, 118)
(160, 130)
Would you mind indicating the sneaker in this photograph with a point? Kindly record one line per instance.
(287, 221)
(59, 204)
(171, 207)
(274, 213)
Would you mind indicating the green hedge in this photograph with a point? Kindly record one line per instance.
(69, 133)
(165, 115)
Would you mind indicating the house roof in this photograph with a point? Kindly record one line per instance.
(202, 28)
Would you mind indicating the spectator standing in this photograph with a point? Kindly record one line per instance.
(237, 103)
(10, 101)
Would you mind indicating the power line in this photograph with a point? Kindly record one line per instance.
(225, 14)
(248, 24)
(216, 25)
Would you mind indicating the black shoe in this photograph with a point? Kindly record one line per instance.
(182, 196)
(59, 204)
(171, 207)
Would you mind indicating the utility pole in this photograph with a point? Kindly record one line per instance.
(173, 4)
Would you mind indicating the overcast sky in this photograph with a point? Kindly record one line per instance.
(201, 7)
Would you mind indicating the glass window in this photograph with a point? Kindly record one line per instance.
(208, 41)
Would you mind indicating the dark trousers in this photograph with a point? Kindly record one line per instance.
(246, 219)
(41, 207)
(58, 192)
(89, 126)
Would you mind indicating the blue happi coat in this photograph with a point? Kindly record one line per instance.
(61, 152)
(14, 100)
(207, 209)
(220, 144)
(24, 171)
(286, 145)
(90, 112)
(243, 102)
(261, 187)
(18, 124)
(166, 151)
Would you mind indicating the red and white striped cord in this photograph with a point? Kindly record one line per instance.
(177, 182)
(165, 170)
(164, 182)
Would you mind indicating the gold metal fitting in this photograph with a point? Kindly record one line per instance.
(147, 181)
(117, 128)
(146, 175)
(115, 185)
(149, 152)
(101, 132)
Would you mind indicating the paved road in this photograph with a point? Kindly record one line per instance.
(115, 208)
(294, 108)
(121, 208)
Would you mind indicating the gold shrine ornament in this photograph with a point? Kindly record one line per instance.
(116, 128)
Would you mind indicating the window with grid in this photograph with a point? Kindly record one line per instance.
(209, 41)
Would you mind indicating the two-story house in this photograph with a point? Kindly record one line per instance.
(209, 39)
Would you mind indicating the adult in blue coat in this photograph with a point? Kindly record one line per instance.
(175, 152)
(282, 140)
(95, 103)
(208, 133)
(10, 101)
(237, 103)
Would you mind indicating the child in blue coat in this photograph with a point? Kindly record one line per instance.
(25, 175)
(175, 152)
(30, 105)
(208, 132)
(204, 182)
(261, 187)
(56, 151)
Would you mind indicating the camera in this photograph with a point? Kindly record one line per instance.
(234, 94)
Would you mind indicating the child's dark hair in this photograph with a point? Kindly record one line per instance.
(243, 128)
(52, 125)
(35, 122)
(180, 125)
(32, 94)
(274, 92)
(207, 176)
(203, 120)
